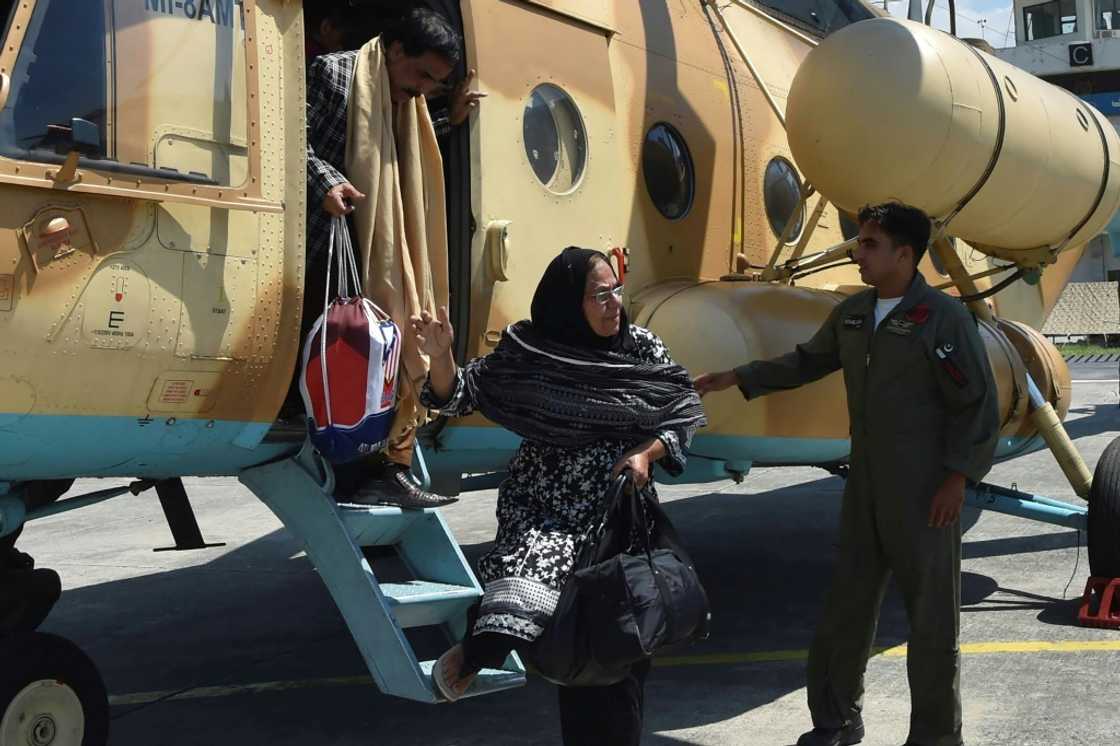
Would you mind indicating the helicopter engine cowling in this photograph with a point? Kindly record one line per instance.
(718, 325)
(888, 109)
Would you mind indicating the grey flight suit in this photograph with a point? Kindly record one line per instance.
(922, 403)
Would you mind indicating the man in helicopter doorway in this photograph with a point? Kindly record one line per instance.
(923, 410)
(372, 156)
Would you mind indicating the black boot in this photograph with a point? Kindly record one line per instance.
(396, 486)
(849, 734)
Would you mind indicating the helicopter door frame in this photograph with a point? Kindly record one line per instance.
(135, 182)
(455, 149)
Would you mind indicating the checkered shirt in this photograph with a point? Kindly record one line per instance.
(329, 81)
(328, 95)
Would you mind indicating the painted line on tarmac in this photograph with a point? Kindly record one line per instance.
(898, 651)
(209, 692)
(712, 659)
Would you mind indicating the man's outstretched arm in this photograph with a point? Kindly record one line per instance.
(809, 361)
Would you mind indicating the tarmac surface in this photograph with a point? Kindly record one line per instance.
(240, 644)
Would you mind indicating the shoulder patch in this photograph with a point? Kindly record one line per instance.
(945, 354)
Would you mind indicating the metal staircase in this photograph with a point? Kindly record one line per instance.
(298, 491)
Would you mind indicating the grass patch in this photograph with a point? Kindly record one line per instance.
(1085, 348)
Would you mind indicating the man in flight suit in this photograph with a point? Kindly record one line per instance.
(923, 410)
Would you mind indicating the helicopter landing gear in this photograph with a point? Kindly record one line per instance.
(1104, 515)
(50, 694)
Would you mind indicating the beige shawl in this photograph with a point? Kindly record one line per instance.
(401, 226)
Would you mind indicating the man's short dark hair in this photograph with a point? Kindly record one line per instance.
(421, 30)
(904, 225)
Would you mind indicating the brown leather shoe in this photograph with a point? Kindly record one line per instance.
(396, 486)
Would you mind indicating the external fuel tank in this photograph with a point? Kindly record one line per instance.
(718, 325)
(889, 109)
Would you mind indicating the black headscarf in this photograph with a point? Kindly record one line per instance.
(557, 309)
(554, 380)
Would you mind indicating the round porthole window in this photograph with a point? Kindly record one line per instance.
(781, 190)
(668, 171)
(555, 141)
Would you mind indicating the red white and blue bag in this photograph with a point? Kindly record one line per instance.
(348, 378)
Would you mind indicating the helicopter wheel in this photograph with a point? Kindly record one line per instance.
(1104, 515)
(50, 694)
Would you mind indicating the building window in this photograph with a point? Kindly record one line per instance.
(667, 167)
(781, 191)
(1108, 15)
(555, 141)
(1050, 19)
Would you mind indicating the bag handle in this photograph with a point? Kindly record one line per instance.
(349, 280)
(349, 276)
(323, 326)
(614, 495)
(667, 532)
(637, 497)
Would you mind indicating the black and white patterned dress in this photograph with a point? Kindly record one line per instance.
(545, 509)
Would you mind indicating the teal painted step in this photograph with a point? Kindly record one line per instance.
(489, 680)
(376, 526)
(377, 614)
(419, 603)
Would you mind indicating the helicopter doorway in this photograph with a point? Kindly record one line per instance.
(455, 148)
(368, 18)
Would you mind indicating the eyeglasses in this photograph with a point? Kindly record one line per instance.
(603, 296)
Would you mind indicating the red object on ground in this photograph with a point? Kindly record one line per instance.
(1100, 605)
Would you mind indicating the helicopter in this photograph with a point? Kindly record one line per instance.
(152, 258)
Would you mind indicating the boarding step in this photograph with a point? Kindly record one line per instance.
(420, 603)
(489, 680)
(377, 525)
(376, 613)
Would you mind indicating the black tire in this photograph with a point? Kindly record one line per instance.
(39, 657)
(1104, 515)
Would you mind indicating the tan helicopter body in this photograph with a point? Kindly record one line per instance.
(153, 208)
(175, 287)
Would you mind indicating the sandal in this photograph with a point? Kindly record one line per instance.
(449, 690)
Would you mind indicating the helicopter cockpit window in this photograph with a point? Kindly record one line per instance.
(152, 88)
(555, 141)
(819, 16)
(667, 167)
(781, 190)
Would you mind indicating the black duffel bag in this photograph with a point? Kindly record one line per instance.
(622, 603)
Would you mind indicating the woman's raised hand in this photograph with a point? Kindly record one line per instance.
(434, 335)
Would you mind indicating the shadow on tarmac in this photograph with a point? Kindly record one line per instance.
(259, 614)
(1098, 418)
